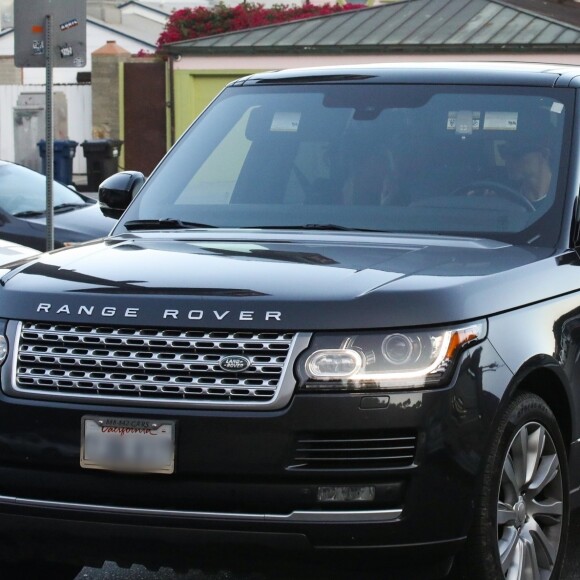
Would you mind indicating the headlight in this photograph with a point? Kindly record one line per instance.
(385, 360)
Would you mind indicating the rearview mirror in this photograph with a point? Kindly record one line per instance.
(117, 192)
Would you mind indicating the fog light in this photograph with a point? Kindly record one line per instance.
(346, 493)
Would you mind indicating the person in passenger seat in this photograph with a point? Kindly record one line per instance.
(372, 179)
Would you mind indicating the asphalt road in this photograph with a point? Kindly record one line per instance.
(572, 566)
(110, 571)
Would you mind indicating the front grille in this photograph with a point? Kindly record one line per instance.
(175, 365)
(340, 451)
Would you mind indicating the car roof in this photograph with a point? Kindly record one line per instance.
(480, 73)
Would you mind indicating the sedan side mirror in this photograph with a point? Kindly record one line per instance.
(117, 192)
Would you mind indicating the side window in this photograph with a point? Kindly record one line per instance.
(215, 180)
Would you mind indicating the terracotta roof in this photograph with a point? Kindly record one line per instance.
(111, 48)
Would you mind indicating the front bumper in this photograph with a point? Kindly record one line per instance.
(237, 481)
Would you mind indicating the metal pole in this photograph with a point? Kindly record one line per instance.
(49, 137)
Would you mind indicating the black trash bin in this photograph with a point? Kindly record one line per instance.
(64, 151)
(102, 160)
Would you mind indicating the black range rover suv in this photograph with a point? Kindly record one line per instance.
(341, 317)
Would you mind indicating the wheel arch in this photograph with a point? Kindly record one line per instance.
(547, 383)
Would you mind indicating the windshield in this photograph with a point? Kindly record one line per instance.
(448, 160)
(23, 191)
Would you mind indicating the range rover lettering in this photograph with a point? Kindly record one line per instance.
(340, 319)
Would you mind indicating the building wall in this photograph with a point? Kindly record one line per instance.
(6, 14)
(9, 74)
(194, 90)
(78, 104)
(106, 95)
(276, 62)
(97, 36)
(145, 27)
(104, 10)
(198, 79)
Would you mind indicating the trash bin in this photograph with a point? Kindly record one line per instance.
(102, 160)
(64, 151)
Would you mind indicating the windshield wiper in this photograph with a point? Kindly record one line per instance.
(327, 227)
(30, 213)
(62, 207)
(163, 224)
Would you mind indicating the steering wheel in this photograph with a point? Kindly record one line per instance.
(499, 189)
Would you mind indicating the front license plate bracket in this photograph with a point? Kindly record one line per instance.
(127, 444)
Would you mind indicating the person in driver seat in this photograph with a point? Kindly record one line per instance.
(528, 172)
(529, 167)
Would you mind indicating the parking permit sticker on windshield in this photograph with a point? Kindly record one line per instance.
(500, 121)
(557, 107)
(463, 122)
(287, 122)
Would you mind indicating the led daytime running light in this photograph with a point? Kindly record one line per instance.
(444, 348)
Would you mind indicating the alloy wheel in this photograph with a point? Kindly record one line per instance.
(530, 505)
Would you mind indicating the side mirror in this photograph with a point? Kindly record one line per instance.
(117, 192)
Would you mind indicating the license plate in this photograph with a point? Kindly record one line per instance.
(126, 444)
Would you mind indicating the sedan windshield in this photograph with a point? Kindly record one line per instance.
(23, 192)
(445, 160)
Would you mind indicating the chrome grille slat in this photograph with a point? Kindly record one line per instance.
(158, 341)
(30, 377)
(149, 364)
(136, 363)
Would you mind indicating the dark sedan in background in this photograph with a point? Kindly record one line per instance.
(23, 211)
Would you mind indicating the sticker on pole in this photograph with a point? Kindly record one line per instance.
(68, 32)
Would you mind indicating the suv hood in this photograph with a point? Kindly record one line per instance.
(287, 281)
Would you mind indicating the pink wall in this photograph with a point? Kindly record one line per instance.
(269, 62)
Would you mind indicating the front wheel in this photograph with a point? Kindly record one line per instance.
(521, 523)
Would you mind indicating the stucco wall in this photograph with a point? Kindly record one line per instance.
(275, 62)
(97, 36)
(194, 90)
(9, 74)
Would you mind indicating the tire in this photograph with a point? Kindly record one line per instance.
(520, 526)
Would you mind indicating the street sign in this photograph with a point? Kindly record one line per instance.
(49, 33)
(68, 34)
